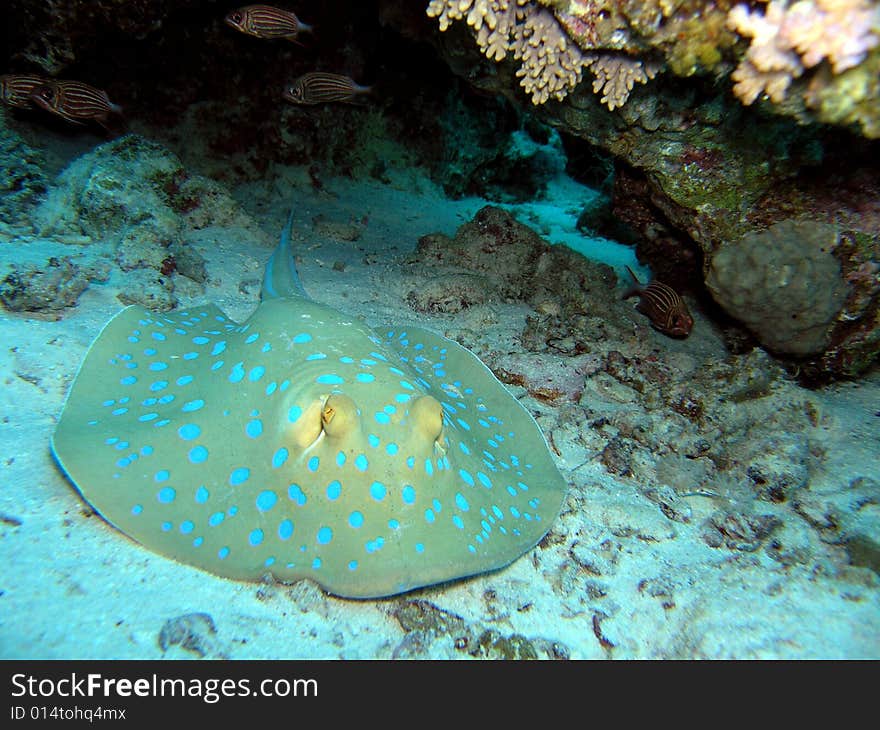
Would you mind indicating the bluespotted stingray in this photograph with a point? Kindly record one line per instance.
(302, 444)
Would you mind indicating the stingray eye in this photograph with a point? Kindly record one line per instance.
(235, 17)
(47, 94)
(339, 415)
(426, 417)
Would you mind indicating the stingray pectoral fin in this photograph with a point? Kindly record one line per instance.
(104, 427)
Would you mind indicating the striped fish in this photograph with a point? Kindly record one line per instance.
(74, 101)
(265, 21)
(662, 305)
(318, 87)
(16, 89)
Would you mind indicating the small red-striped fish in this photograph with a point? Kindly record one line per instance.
(318, 87)
(74, 101)
(16, 89)
(662, 305)
(265, 21)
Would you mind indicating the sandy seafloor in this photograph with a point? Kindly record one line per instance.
(617, 578)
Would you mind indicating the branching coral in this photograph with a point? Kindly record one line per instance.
(787, 39)
(551, 63)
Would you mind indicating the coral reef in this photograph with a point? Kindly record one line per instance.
(784, 283)
(787, 39)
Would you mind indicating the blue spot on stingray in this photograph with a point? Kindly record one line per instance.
(407, 385)
(515, 512)
(294, 413)
(373, 440)
(302, 338)
(267, 347)
(186, 527)
(111, 441)
(202, 495)
(408, 494)
(325, 535)
(159, 336)
(166, 527)
(165, 399)
(237, 374)
(223, 553)
(279, 458)
(159, 385)
(340, 458)
(382, 418)
(252, 338)
(285, 385)
(256, 537)
(334, 489)
(402, 397)
(190, 355)
(316, 563)
(239, 475)
(150, 351)
(429, 467)
(184, 379)
(352, 565)
(361, 462)
(484, 480)
(254, 428)
(162, 476)
(120, 411)
(377, 491)
(313, 464)
(356, 519)
(461, 502)
(317, 356)
(329, 379)
(392, 449)
(157, 366)
(128, 380)
(464, 449)
(189, 432)
(285, 529)
(137, 509)
(166, 495)
(411, 461)
(198, 542)
(346, 359)
(217, 365)
(271, 388)
(198, 454)
(464, 424)
(219, 347)
(148, 417)
(420, 547)
(216, 518)
(132, 339)
(458, 522)
(365, 377)
(257, 373)
(107, 403)
(266, 500)
(393, 524)
(437, 506)
(522, 486)
(466, 475)
(296, 494)
(193, 405)
(201, 340)
(429, 515)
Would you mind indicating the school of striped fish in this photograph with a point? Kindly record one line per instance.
(79, 103)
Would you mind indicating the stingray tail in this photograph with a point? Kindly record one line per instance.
(281, 278)
(633, 288)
